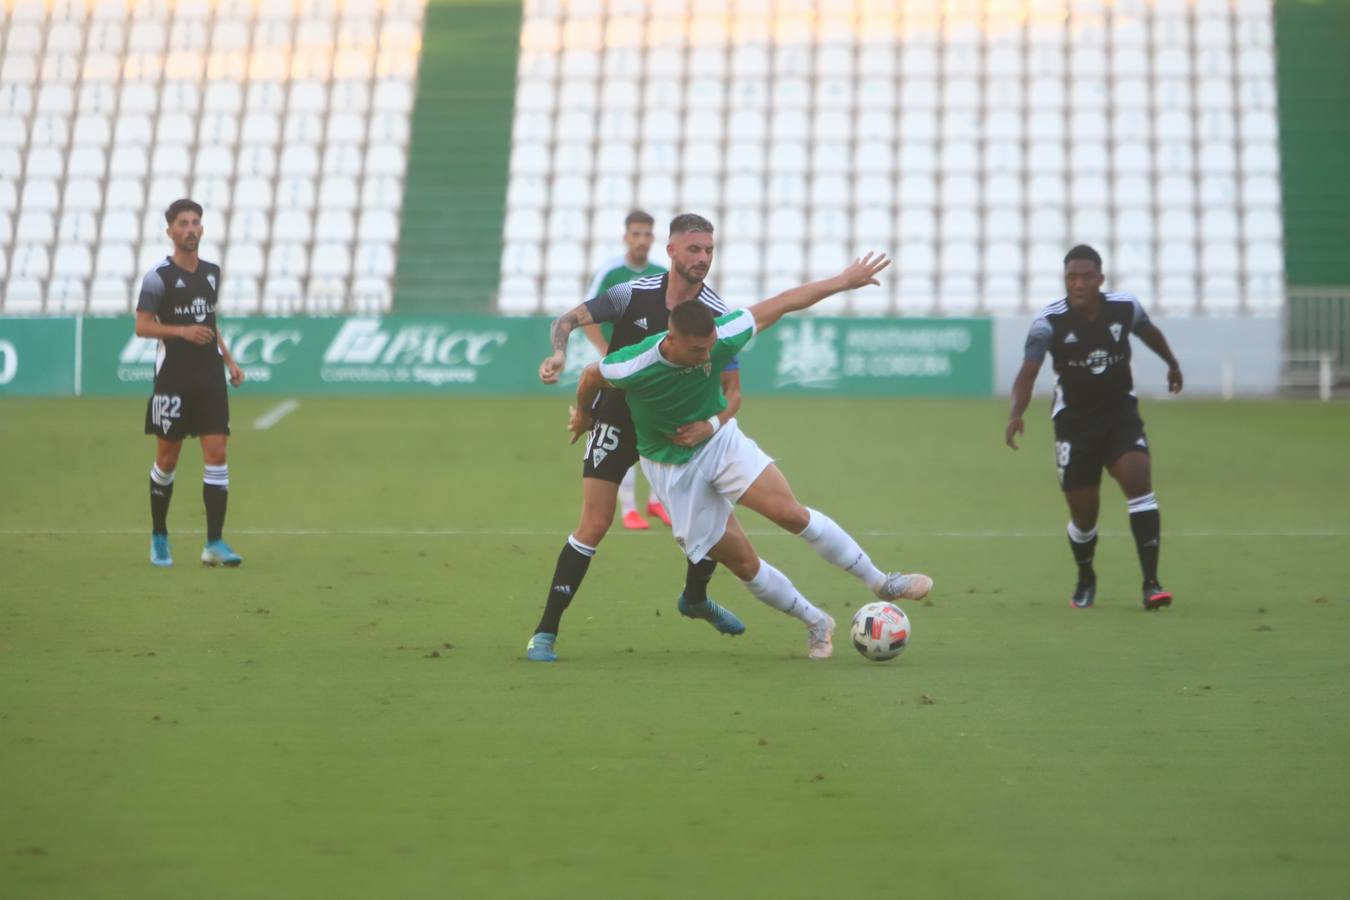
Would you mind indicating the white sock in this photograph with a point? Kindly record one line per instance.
(628, 492)
(161, 478)
(836, 546)
(216, 475)
(1078, 536)
(774, 589)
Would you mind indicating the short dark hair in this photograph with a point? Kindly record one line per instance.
(638, 217)
(1083, 251)
(685, 223)
(178, 207)
(692, 319)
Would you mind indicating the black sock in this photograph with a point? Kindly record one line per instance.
(573, 562)
(696, 579)
(1084, 547)
(161, 492)
(215, 494)
(1147, 527)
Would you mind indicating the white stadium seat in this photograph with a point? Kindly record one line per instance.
(23, 296)
(244, 260)
(331, 260)
(66, 296)
(282, 296)
(110, 296)
(30, 260)
(374, 260)
(240, 295)
(335, 227)
(77, 226)
(295, 226)
(114, 260)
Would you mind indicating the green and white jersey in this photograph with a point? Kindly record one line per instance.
(663, 396)
(617, 271)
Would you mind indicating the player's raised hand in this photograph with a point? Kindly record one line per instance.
(1014, 428)
(864, 271)
(551, 368)
(578, 423)
(198, 334)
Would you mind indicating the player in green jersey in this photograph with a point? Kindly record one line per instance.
(703, 468)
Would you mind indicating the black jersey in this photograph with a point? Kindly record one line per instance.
(638, 310)
(1091, 356)
(179, 297)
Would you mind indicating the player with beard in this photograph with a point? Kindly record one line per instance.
(177, 306)
(637, 309)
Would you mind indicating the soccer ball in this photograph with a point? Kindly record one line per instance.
(880, 631)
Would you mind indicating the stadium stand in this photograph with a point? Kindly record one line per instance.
(288, 121)
(450, 246)
(976, 139)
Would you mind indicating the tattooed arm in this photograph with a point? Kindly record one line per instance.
(563, 326)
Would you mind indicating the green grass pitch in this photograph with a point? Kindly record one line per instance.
(350, 715)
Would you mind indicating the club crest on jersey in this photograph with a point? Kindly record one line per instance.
(707, 368)
(211, 280)
(1116, 328)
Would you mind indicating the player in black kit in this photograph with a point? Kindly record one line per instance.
(177, 306)
(638, 309)
(1096, 414)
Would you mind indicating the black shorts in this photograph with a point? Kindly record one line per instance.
(611, 450)
(1087, 443)
(175, 413)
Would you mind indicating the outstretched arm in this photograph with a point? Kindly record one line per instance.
(563, 326)
(1154, 340)
(860, 274)
(1021, 398)
(588, 386)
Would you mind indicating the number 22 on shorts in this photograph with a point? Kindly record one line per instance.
(164, 409)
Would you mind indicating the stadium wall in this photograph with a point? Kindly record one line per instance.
(1219, 356)
(499, 355)
(486, 354)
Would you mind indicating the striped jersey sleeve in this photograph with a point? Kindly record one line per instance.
(609, 306)
(152, 291)
(1140, 317)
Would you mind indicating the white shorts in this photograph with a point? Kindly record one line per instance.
(699, 495)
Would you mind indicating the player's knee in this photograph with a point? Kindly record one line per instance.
(592, 529)
(793, 517)
(744, 565)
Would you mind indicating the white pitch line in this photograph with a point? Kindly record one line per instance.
(554, 532)
(276, 414)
